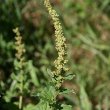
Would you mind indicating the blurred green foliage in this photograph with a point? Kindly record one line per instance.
(86, 25)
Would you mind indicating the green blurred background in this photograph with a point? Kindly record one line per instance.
(86, 25)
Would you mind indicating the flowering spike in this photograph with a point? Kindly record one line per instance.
(60, 42)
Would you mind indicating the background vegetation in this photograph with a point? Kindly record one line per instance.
(86, 25)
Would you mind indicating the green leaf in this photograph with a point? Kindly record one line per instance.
(17, 64)
(66, 107)
(48, 94)
(84, 99)
(29, 107)
(43, 106)
(32, 72)
(69, 76)
(67, 91)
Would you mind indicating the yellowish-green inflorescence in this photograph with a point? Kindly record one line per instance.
(60, 42)
(19, 46)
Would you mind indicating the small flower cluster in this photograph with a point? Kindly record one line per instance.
(60, 43)
(19, 46)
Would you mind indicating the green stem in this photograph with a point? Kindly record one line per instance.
(20, 102)
(21, 93)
